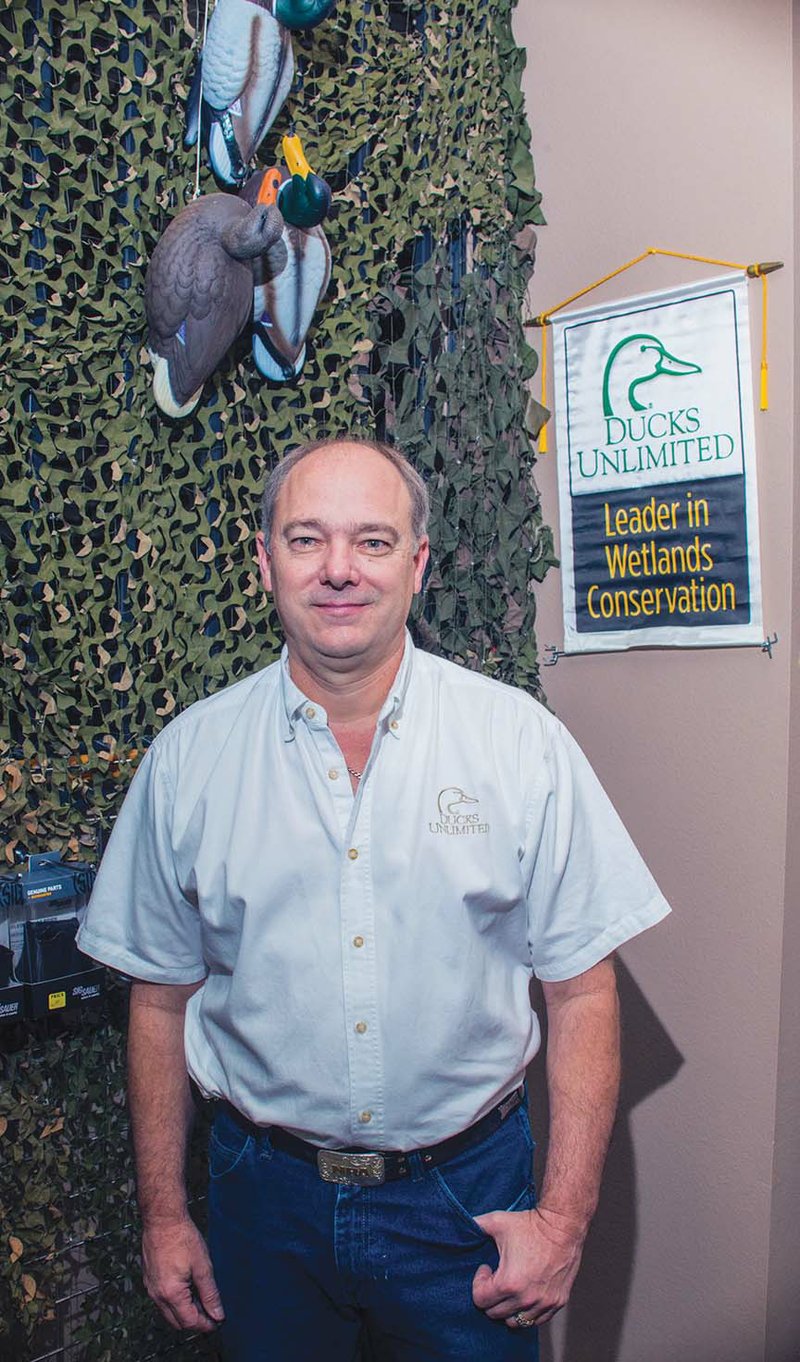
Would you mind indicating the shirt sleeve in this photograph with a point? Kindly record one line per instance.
(139, 920)
(588, 888)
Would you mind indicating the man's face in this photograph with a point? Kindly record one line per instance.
(342, 563)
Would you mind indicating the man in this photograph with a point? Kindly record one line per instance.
(331, 883)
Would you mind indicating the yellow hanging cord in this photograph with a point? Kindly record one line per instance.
(754, 271)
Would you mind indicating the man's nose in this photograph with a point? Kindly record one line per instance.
(339, 565)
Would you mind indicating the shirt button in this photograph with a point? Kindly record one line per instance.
(353, 854)
(311, 712)
(333, 774)
(361, 1027)
(358, 941)
(365, 1117)
(394, 724)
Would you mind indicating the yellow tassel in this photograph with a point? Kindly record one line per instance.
(764, 381)
(543, 431)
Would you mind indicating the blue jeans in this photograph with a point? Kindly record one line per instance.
(303, 1264)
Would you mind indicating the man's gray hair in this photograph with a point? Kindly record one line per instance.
(420, 505)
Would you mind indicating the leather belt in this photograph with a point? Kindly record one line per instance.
(370, 1168)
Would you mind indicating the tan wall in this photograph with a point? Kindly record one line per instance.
(783, 1317)
(672, 125)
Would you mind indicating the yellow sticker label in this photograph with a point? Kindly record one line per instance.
(55, 1000)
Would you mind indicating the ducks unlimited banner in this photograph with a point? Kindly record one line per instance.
(656, 470)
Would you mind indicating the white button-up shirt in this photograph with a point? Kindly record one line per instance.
(366, 957)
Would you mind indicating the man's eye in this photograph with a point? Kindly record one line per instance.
(302, 541)
(376, 545)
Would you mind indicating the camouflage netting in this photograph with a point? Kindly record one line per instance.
(128, 585)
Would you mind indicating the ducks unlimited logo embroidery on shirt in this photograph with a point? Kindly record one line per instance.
(458, 814)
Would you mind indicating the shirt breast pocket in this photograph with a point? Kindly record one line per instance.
(475, 866)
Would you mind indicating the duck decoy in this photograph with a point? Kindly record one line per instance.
(243, 76)
(199, 291)
(292, 275)
(303, 14)
(635, 360)
(304, 198)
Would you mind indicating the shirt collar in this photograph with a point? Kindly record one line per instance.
(293, 697)
(392, 710)
(297, 706)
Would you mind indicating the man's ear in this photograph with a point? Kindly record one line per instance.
(421, 557)
(264, 561)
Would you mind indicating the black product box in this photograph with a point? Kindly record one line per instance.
(48, 901)
(12, 918)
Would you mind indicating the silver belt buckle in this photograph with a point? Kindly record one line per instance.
(352, 1170)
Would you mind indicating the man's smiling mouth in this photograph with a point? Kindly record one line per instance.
(340, 607)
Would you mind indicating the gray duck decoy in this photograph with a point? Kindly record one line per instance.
(199, 291)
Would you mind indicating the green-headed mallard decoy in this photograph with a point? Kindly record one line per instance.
(199, 291)
(304, 198)
(243, 77)
(291, 277)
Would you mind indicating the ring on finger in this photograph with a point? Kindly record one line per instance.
(523, 1321)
